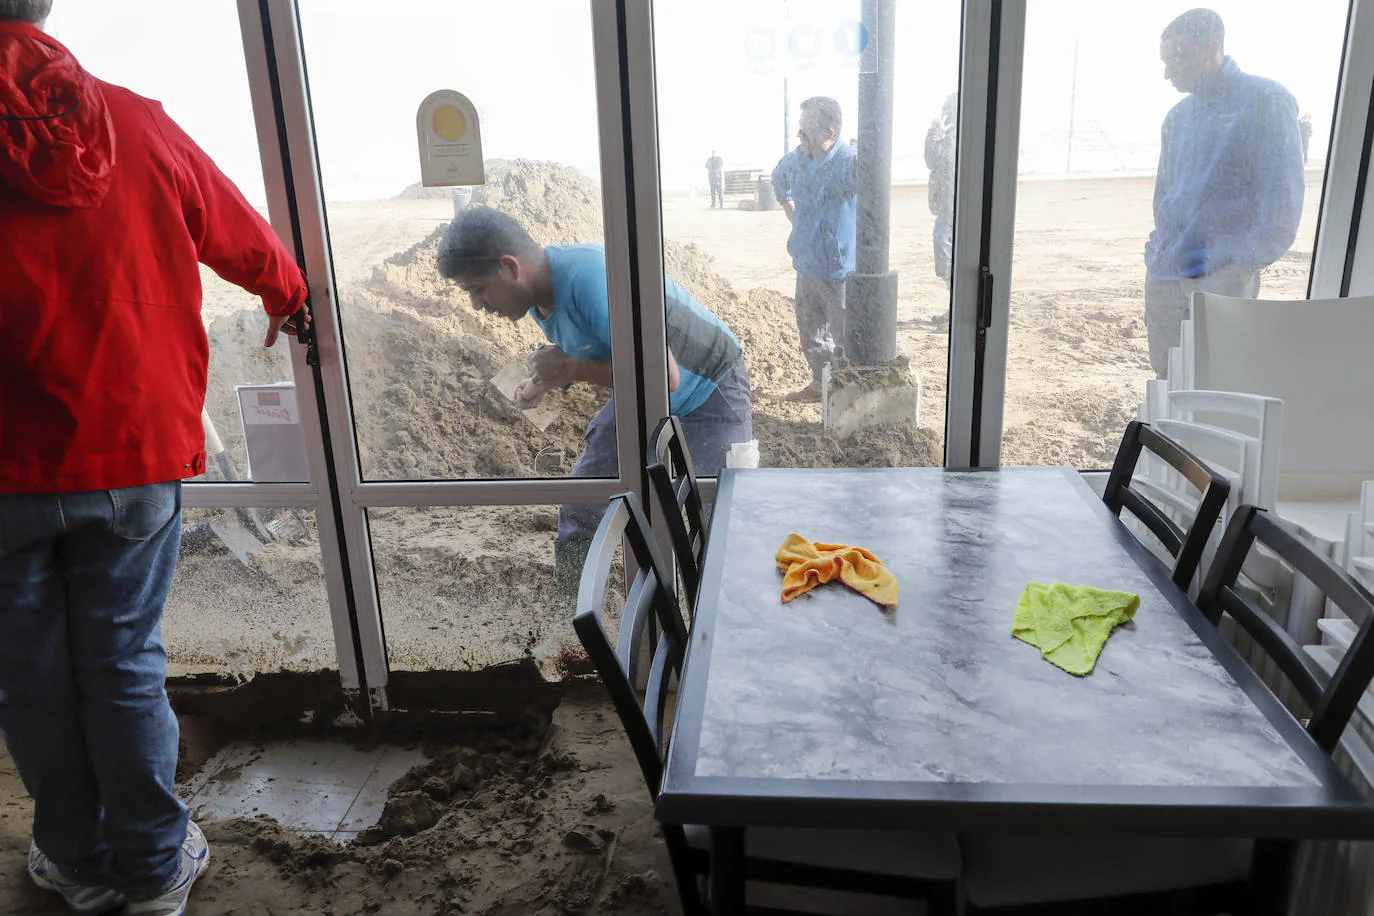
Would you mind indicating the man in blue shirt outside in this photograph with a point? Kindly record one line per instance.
(563, 288)
(1229, 189)
(818, 190)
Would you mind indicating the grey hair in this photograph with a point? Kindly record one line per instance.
(827, 112)
(1198, 26)
(34, 11)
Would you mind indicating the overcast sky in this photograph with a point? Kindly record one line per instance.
(528, 67)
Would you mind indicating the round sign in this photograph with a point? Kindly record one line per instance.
(449, 122)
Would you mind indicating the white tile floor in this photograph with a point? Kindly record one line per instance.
(320, 787)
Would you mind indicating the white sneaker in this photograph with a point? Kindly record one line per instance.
(80, 899)
(195, 858)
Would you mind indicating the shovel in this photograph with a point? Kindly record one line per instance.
(231, 526)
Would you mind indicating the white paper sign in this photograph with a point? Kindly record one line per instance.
(450, 141)
(272, 433)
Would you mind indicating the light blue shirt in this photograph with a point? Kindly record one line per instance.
(580, 324)
(1230, 185)
(825, 194)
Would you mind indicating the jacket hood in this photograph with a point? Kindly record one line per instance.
(57, 142)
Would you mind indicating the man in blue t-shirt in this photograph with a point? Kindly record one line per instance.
(563, 288)
(818, 188)
(1229, 189)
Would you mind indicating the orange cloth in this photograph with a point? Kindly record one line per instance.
(805, 565)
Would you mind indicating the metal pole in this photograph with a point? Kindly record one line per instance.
(1073, 103)
(871, 291)
(786, 120)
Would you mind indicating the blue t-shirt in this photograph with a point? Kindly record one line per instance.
(580, 325)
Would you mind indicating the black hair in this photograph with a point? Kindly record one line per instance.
(476, 241)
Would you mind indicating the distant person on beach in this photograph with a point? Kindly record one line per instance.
(715, 175)
(1229, 189)
(1305, 132)
(817, 187)
(940, 146)
(562, 288)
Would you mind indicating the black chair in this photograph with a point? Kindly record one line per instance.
(679, 499)
(1185, 547)
(1200, 877)
(811, 863)
(1332, 698)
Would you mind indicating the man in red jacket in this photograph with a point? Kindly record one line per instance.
(106, 207)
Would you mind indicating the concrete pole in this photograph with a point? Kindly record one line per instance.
(871, 291)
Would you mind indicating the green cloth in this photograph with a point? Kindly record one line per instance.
(1070, 624)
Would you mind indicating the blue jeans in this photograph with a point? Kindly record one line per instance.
(83, 700)
(726, 417)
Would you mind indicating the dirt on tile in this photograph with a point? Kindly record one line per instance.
(546, 815)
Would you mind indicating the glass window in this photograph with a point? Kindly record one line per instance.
(248, 595)
(467, 587)
(433, 358)
(769, 226)
(1155, 160)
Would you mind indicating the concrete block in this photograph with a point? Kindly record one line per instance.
(857, 397)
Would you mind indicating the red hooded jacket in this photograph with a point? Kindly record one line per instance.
(106, 207)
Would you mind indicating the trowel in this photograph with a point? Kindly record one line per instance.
(509, 378)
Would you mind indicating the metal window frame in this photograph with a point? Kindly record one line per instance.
(985, 208)
(273, 44)
(273, 156)
(1343, 262)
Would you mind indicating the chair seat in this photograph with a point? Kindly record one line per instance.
(1002, 870)
(906, 854)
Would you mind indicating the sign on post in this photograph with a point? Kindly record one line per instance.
(450, 141)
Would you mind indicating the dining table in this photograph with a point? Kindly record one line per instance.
(830, 711)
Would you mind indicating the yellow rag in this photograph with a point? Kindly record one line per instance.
(1070, 624)
(806, 564)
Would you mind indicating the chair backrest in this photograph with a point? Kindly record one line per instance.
(1258, 418)
(1314, 355)
(1359, 538)
(1332, 698)
(679, 499)
(651, 626)
(1184, 546)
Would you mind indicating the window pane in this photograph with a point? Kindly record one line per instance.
(734, 140)
(427, 366)
(1139, 184)
(248, 595)
(467, 587)
(203, 85)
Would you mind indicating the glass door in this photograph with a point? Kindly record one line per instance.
(806, 153)
(475, 322)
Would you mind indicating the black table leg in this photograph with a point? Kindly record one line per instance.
(727, 871)
(1271, 876)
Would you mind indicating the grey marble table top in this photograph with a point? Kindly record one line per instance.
(794, 712)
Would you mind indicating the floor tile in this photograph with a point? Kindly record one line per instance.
(298, 805)
(367, 808)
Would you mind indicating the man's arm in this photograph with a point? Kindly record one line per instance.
(231, 237)
(782, 185)
(1279, 179)
(552, 368)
